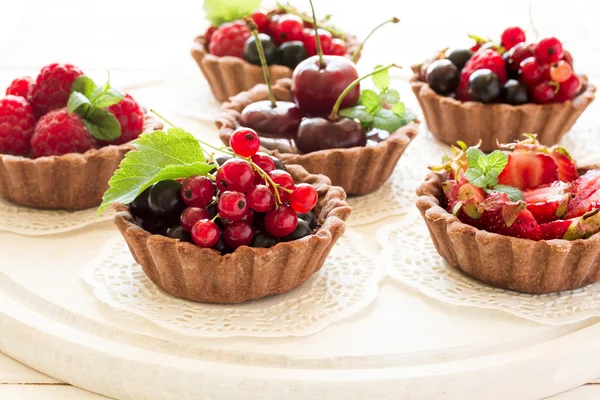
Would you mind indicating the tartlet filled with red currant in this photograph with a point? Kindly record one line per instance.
(223, 229)
(227, 53)
(495, 91)
(62, 137)
(525, 218)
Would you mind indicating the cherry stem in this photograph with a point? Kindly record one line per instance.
(263, 60)
(394, 20)
(535, 31)
(336, 108)
(317, 38)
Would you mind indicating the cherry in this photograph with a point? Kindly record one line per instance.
(282, 221)
(205, 233)
(283, 179)
(264, 162)
(310, 40)
(302, 230)
(261, 19)
(238, 234)
(197, 191)
(260, 198)
(244, 142)
(140, 206)
(263, 240)
(512, 36)
(281, 120)
(191, 215)
(569, 88)
(561, 71)
(549, 50)
(303, 198)
(532, 72)
(235, 174)
(337, 47)
(232, 206)
(165, 201)
(177, 232)
(288, 27)
(544, 92)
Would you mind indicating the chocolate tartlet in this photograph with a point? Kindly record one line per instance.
(523, 265)
(201, 274)
(69, 182)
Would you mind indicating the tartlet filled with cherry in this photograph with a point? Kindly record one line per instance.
(495, 90)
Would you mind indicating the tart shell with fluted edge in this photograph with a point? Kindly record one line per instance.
(190, 272)
(68, 182)
(359, 170)
(228, 76)
(522, 265)
(451, 120)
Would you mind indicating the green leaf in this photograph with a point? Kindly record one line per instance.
(513, 193)
(76, 103)
(476, 177)
(83, 84)
(399, 109)
(473, 156)
(357, 112)
(220, 11)
(108, 98)
(390, 96)
(102, 124)
(98, 91)
(370, 100)
(386, 120)
(160, 155)
(381, 80)
(498, 161)
(492, 177)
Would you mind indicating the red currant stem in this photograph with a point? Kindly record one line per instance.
(336, 108)
(215, 218)
(535, 31)
(322, 64)
(394, 20)
(288, 9)
(263, 61)
(269, 180)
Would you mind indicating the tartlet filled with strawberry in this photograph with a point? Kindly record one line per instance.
(494, 91)
(62, 137)
(223, 229)
(227, 53)
(526, 218)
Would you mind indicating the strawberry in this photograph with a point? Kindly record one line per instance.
(567, 169)
(504, 217)
(484, 58)
(463, 200)
(549, 202)
(585, 194)
(527, 169)
(572, 229)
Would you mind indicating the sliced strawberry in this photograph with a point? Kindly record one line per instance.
(526, 169)
(585, 194)
(548, 202)
(567, 169)
(463, 200)
(507, 218)
(572, 229)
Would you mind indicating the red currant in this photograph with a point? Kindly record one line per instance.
(310, 41)
(284, 180)
(266, 163)
(235, 174)
(205, 233)
(569, 88)
(197, 191)
(260, 198)
(303, 198)
(261, 19)
(549, 50)
(232, 206)
(238, 234)
(281, 221)
(288, 28)
(517, 54)
(245, 142)
(337, 47)
(561, 71)
(544, 93)
(273, 24)
(532, 72)
(191, 215)
(568, 57)
(249, 217)
(512, 36)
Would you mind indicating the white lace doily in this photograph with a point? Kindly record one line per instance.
(347, 283)
(33, 222)
(410, 257)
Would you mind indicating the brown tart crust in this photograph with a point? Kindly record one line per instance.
(451, 120)
(359, 170)
(523, 265)
(187, 271)
(69, 182)
(228, 76)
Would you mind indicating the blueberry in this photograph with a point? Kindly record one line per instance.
(140, 206)
(165, 201)
(292, 53)
(484, 86)
(177, 232)
(443, 76)
(251, 50)
(302, 230)
(515, 93)
(263, 240)
(458, 57)
(310, 218)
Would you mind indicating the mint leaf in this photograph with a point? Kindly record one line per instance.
(102, 124)
(399, 109)
(84, 85)
(514, 194)
(381, 80)
(473, 156)
(476, 177)
(99, 91)
(220, 11)
(386, 120)
(497, 161)
(390, 96)
(160, 155)
(108, 98)
(370, 100)
(357, 112)
(76, 103)
(492, 178)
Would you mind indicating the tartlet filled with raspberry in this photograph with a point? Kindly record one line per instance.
(227, 53)
(525, 219)
(494, 91)
(62, 137)
(223, 229)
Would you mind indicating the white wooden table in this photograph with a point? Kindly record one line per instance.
(142, 43)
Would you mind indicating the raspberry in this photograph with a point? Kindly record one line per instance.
(483, 59)
(17, 122)
(209, 34)
(21, 87)
(229, 39)
(130, 116)
(59, 133)
(53, 87)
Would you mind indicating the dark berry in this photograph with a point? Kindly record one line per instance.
(549, 50)
(205, 233)
(443, 76)
(260, 198)
(282, 221)
(302, 230)
(197, 191)
(244, 142)
(310, 218)
(292, 53)
(512, 36)
(458, 57)
(283, 179)
(140, 206)
(191, 215)
(279, 164)
(238, 234)
(232, 205)
(251, 50)
(515, 93)
(177, 232)
(165, 201)
(220, 160)
(156, 227)
(484, 86)
(235, 174)
(517, 55)
(221, 247)
(303, 198)
(544, 93)
(263, 240)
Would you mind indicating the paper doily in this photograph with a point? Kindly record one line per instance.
(410, 257)
(33, 222)
(347, 283)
